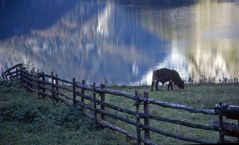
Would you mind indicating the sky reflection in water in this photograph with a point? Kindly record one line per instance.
(121, 42)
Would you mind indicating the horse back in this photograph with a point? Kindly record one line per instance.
(163, 75)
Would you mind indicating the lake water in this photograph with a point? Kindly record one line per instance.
(122, 41)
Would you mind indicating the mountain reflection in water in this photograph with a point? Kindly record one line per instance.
(121, 42)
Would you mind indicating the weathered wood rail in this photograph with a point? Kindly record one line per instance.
(93, 99)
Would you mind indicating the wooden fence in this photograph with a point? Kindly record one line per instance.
(73, 93)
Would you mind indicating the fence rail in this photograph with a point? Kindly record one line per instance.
(73, 93)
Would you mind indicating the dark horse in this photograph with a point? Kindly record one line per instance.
(166, 75)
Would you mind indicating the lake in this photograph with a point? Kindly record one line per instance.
(122, 41)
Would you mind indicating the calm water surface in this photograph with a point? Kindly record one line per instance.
(121, 41)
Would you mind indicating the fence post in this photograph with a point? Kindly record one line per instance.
(82, 98)
(56, 88)
(237, 137)
(146, 119)
(52, 86)
(10, 75)
(137, 117)
(17, 72)
(30, 80)
(102, 98)
(95, 107)
(74, 91)
(38, 78)
(6, 78)
(43, 84)
(21, 81)
(27, 80)
(221, 134)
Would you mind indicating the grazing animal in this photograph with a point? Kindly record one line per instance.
(166, 75)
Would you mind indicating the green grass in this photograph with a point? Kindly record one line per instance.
(24, 119)
(198, 96)
(193, 95)
(28, 120)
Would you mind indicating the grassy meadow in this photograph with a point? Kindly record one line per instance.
(203, 96)
(24, 119)
(198, 96)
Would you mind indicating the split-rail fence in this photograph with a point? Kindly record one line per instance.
(73, 93)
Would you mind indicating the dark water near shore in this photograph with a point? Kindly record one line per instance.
(121, 41)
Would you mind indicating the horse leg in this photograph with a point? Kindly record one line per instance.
(157, 83)
(170, 85)
(152, 85)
